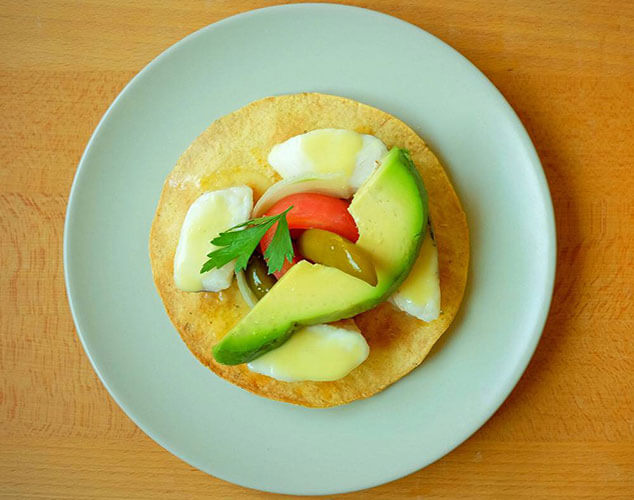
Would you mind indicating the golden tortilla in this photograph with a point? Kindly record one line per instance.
(232, 151)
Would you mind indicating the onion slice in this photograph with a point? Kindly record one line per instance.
(329, 184)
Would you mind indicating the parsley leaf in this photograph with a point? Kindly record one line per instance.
(281, 247)
(239, 242)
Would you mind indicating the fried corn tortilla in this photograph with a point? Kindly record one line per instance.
(233, 151)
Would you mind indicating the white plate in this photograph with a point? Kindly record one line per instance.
(224, 430)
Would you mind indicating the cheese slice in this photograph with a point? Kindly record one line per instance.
(319, 353)
(329, 151)
(419, 294)
(212, 213)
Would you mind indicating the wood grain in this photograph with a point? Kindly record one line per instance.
(567, 430)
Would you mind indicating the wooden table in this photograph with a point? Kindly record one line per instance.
(567, 430)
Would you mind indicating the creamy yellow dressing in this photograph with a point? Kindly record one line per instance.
(333, 151)
(419, 295)
(319, 353)
(210, 214)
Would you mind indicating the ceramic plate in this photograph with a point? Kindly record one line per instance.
(222, 429)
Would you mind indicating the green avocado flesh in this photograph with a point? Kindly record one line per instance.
(390, 210)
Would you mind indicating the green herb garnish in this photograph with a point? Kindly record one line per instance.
(237, 243)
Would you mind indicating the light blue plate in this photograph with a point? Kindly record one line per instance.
(220, 428)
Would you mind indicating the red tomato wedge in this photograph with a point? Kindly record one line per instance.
(312, 211)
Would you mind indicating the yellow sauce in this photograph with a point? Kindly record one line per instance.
(319, 352)
(333, 151)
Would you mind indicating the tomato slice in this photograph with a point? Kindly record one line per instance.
(312, 211)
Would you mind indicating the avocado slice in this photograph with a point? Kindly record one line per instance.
(391, 211)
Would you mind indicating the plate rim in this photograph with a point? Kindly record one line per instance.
(511, 379)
